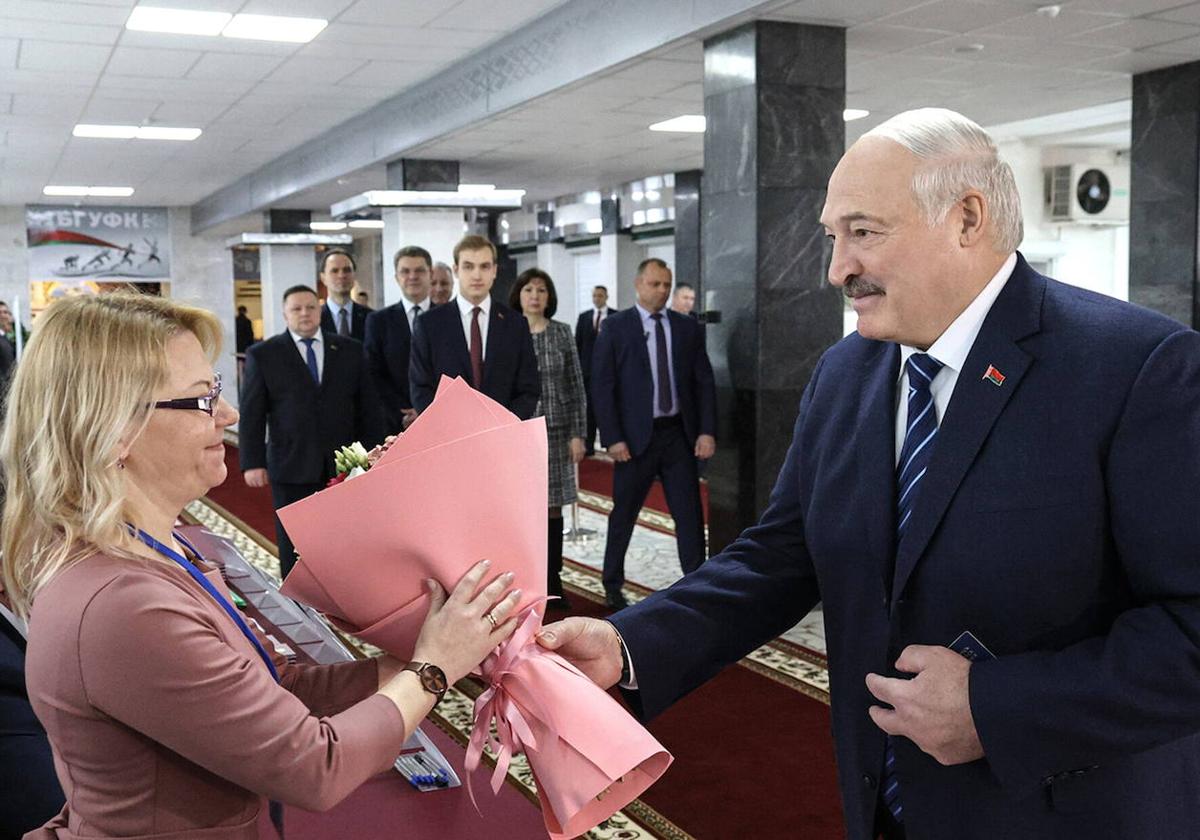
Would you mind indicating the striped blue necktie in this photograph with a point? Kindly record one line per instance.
(919, 438)
(310, 358)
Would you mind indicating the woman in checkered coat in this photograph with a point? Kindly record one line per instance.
(563, 404)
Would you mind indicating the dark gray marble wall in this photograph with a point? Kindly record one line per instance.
(773, 95)
(415, 174)
(687, 231)
(1165, 178)
(277, 220)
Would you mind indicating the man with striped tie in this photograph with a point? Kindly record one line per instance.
(992, 488)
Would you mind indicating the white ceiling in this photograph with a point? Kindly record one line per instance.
(68, 62)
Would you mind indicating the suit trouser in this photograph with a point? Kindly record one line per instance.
(283, 495)
(670, 458)
(590, 443)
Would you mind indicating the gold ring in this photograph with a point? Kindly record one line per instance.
(492, 619)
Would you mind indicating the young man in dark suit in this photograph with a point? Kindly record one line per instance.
(311, 390)
(656, 403)
(475, 337)
(389, 336)
(586, 329)
(992, 490)
(340, 314)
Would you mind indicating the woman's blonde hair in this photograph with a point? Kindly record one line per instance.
(84, 384)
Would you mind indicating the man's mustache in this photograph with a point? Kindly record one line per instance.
(857, 287)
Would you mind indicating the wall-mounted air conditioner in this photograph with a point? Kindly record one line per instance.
(1085, 194)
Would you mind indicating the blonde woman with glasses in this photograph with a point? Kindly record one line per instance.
(166, 714)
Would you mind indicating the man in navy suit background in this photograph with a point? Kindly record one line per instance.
(475, 337)
(389, 336)
(586, 329)
(340, 314)
(656, 405)
(1049, 536)
(310, 389)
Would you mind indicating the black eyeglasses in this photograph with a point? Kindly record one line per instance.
(206, 403)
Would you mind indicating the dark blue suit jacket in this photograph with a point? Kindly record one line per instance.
(358, 320)
(585, 339)
(306, 422)
(1058, 522)
(623, 389)
(387, 345)
(31, 794)
(510, 372)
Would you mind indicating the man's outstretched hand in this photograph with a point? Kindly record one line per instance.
(591, 645)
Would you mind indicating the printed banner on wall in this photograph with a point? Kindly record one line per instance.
(98, 243)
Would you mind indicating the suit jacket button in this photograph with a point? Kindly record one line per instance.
(868, 780)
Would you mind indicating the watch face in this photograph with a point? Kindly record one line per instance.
(433, 680)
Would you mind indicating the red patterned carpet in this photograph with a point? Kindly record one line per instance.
(596, 476)
(753, 756)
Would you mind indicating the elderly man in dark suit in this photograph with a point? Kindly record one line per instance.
(656, 404)
(340, 314)
(311, 391)
(992, 487)
(586, 329)
(475, 337)
(389, 336)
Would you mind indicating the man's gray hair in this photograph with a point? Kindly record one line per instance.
(444, 268)
(959, 156)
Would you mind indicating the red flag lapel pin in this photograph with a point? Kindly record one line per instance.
(994, 376)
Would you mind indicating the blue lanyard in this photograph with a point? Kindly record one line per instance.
(199, 577)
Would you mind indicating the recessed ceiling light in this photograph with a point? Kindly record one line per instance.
(327, 225)
(969, 48)
(177, 21)
(851, 114)
(293, 30)
(105, 192)
(366, 223)
(690, 123)
(128, 132)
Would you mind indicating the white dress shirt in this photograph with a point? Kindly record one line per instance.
(603, 313)
(318, 348)
(334, 309)
(464, 309)
(423, 307)
(951, 349)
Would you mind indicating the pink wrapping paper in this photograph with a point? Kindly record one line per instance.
(468, 480)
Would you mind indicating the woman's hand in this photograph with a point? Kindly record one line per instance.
(457, 634)
(577, 450)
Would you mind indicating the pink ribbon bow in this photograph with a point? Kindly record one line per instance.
(497, 704)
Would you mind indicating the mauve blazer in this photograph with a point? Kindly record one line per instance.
(165, 721)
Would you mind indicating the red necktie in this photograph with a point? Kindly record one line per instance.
(476, 349)
(596, 326)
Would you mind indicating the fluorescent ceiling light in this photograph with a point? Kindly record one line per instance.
(851, 114)
(105, 192)
(293, 30)
(327, 225)
(366, 223)
(595, 226)
(493, 199)
(691, 123)
(114, 132)
(177, 21)
(162, 132)
(128, 132)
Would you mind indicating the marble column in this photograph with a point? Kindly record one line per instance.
(1165, 191)
(773, 97)
(437, 230)
(619, 256)
(687, 268)
(283, 266)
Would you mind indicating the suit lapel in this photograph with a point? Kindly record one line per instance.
(290, 353)
(497, 322)
(974, 408)
(676, 353)
(333, 359)
(877, 454)
(459, 339)
(641, 341)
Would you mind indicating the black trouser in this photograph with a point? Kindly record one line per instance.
(670, 458)
(283, 495)
(590, 444)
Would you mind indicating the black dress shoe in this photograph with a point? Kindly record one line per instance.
(615, 600)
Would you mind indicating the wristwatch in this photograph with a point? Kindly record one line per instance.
(433, 678)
